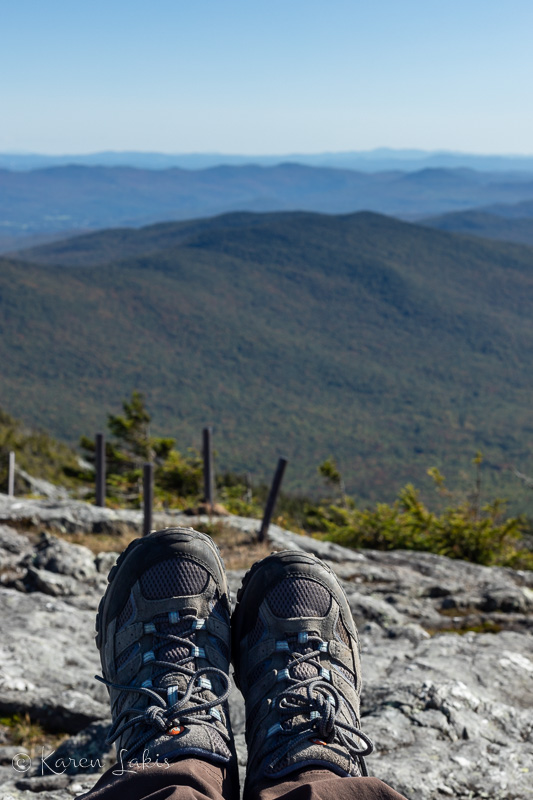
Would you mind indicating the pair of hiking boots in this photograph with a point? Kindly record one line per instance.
(166, 636)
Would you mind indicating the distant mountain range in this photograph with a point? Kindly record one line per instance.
(376, 160)
(391, 346)
(60, 200)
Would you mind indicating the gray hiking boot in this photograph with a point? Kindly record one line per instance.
(296, 658)
(164, 638)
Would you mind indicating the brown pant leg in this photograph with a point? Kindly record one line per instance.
(186, 779)
(323, 784)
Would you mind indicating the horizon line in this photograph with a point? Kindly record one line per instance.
(406, 151)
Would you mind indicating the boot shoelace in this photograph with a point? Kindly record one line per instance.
(160, 717)
(319, 702)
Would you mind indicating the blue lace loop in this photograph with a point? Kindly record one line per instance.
(158, 716)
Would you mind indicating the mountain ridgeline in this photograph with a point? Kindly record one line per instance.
(74, 198)
(391, 346)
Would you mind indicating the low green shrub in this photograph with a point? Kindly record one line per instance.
(37, 453)
(466, 530)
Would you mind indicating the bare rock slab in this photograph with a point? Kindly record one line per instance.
(47, 662)
(451, 715)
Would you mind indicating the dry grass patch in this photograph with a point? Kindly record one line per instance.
(482, 626)
(239, 549)
(20, 730)
(102, 542)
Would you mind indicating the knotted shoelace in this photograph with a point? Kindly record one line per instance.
(320, 703)
(159, 717)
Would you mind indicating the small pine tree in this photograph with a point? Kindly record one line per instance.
(132, 445)
(330, 472)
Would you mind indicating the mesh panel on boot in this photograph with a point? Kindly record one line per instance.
(257, 672)
(342, 633)
(219, 745)
(350, 677)
(219, 609)
(174, 578)
(171, 651)
(303, 671)
(256, 633)
(126, 655)
(125, 615)
(299, 597)
(222, 648)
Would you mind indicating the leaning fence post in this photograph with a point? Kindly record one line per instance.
(11, 475)
(148, 497)
(209, 492)
(100, 469)
(272, 497)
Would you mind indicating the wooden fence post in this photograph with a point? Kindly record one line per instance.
(209, 491)
(11, 475)
(272, 497)
(100, 470)
(148, 497)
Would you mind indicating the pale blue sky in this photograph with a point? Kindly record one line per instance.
(238, 76)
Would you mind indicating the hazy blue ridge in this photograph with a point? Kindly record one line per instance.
(68, 199)
(367, 161)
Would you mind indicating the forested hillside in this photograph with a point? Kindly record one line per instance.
(390, 346)
(486, 225)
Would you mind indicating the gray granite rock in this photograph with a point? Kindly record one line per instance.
(52, 583)
(71, 516)
(66, 516)
(82, 754)
(15, 549)
(43, 783)
(12, 544)
(459, 703)
(39, 486)
(8, 753)
(57, 555)
(47, 662)
(451, 715)
(104, 561)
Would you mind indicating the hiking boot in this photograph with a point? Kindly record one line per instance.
(163, 631)
(296, 658)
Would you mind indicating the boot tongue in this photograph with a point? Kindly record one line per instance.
(172, 651)
(305, 669)
(299, 597)
(311, 749)
(300, 672)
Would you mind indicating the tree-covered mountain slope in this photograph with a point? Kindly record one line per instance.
(485, 225)
(391, 346)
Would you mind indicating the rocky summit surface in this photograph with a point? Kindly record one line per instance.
(447, 653)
